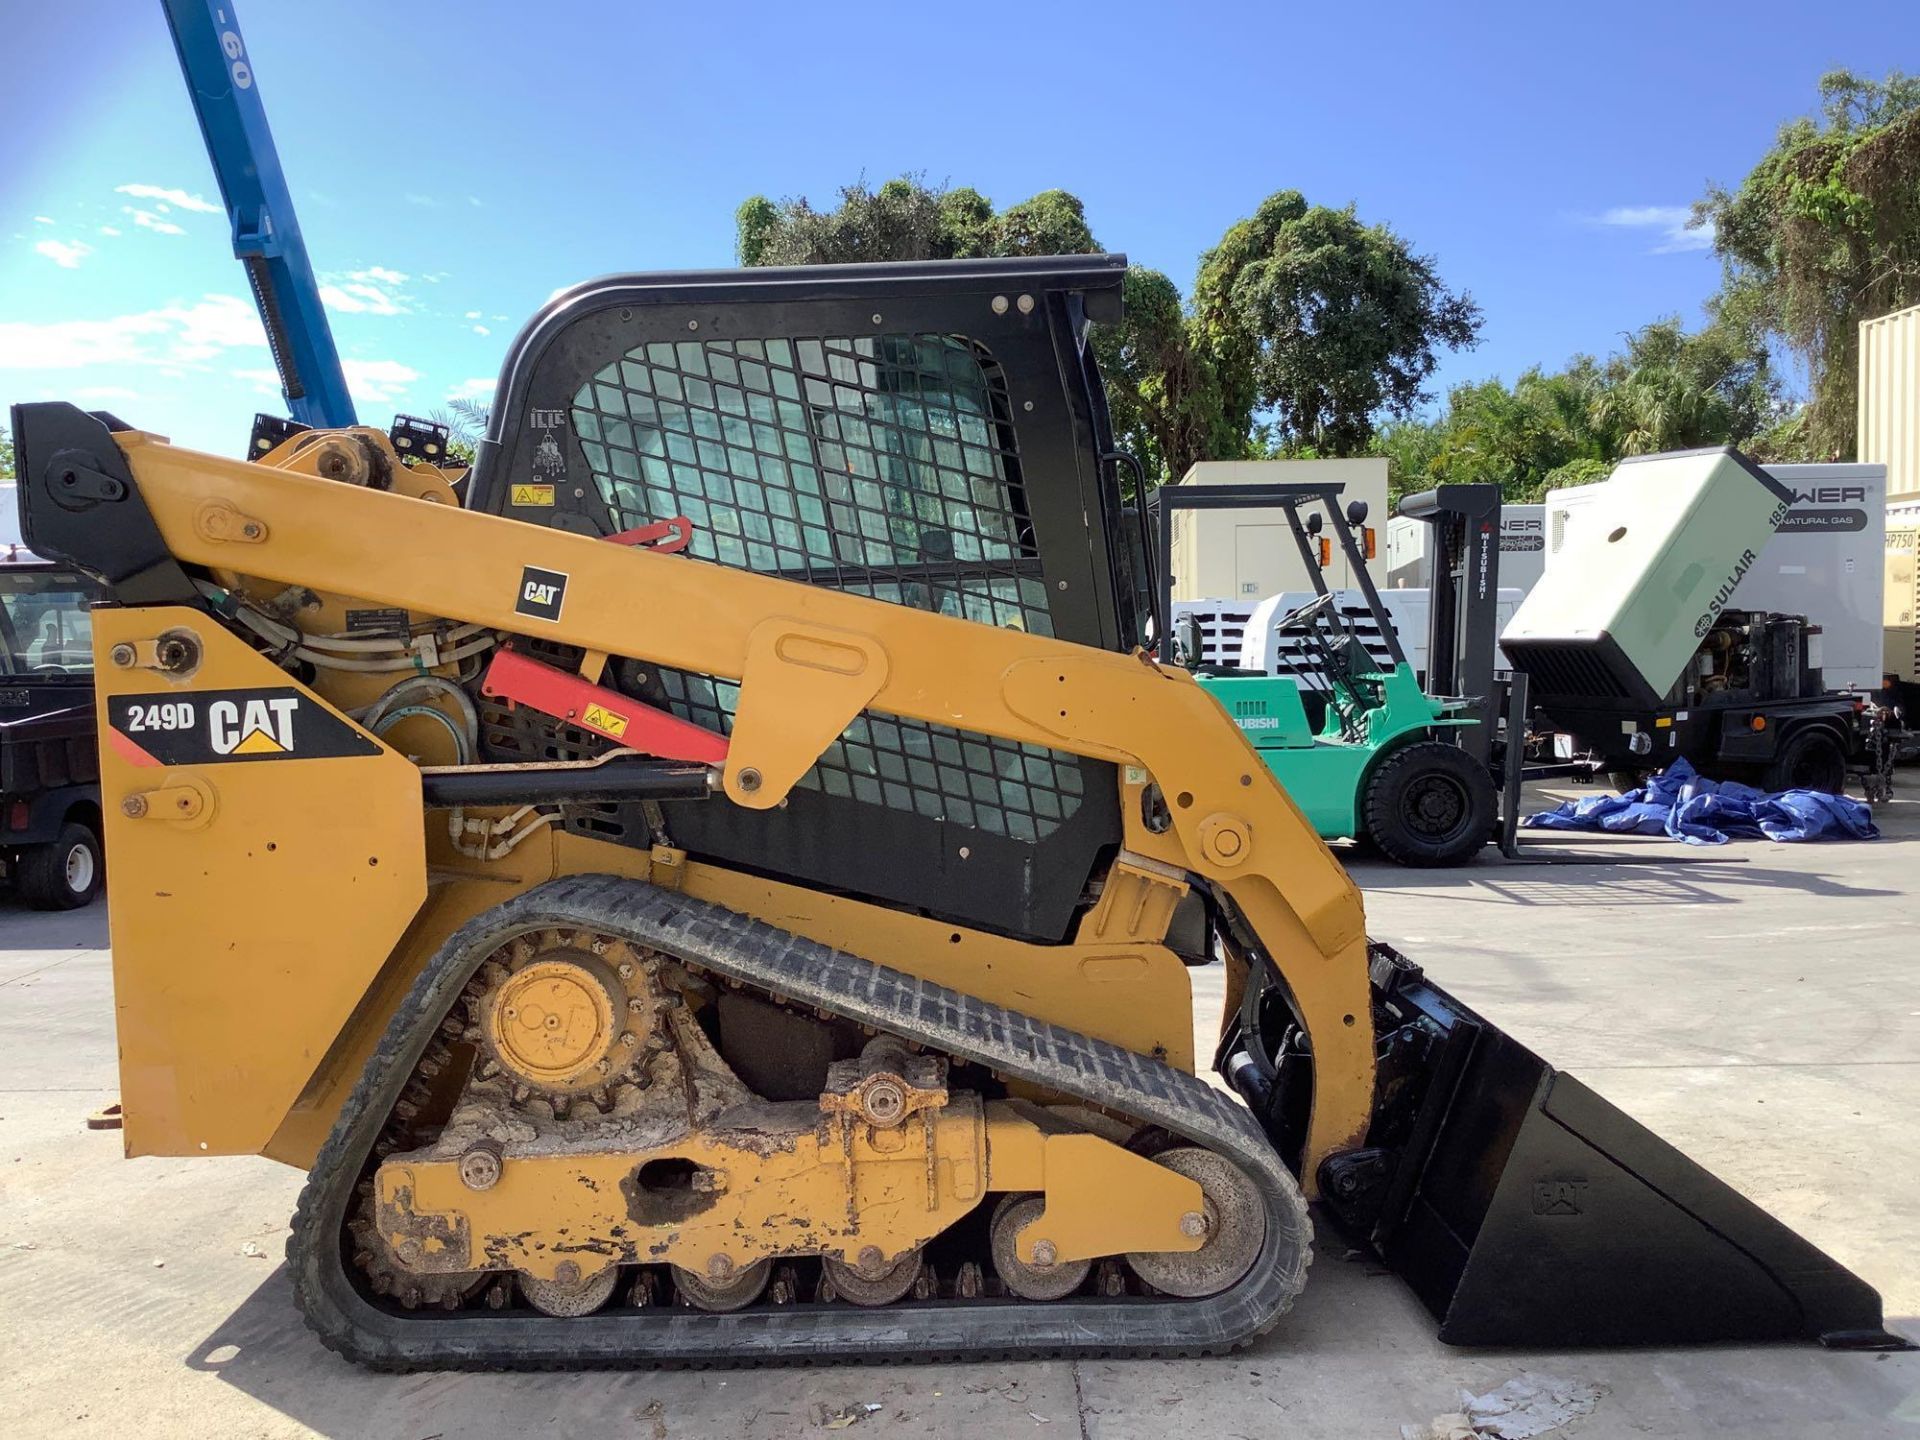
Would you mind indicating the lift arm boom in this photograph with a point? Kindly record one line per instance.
(266, 234)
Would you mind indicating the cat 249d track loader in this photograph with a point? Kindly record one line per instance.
(721, 888)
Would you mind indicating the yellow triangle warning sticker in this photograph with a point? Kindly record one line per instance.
(258, 742)
(607, 722)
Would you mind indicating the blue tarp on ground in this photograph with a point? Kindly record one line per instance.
(1685, 805)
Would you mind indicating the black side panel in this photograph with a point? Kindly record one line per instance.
(925, 434)
(79, 505)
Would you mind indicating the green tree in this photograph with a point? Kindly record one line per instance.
(1306, 325)
(1669, 389)
(906, 219)
(1324, 323)
(6, 454)
(1824, 233)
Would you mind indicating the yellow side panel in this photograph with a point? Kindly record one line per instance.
(257, 880)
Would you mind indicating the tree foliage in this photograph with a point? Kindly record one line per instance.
(906, 219)
(1669, 389)
(1824, 233)
(1305, 325)
(1323, 322)
(6, 454)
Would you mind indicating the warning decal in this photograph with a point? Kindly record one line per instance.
(218, 726)
(533, 494)
(608, 722)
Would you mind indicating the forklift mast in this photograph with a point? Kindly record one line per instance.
(1289, 496)
(266, 234)
(1464, 600)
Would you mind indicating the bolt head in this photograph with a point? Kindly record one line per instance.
(1045, 1252)
(719, 1267)
(134, 806)
(626, 971)
(479, 1169)
(1193, 1224)
(122, 655)
(567, 1273)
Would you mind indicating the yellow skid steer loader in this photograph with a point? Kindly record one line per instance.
(716, 884)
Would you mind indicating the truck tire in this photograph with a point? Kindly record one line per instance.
(65, 874)
(1429, 804)
(1810, 759)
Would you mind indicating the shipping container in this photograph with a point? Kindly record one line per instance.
(1890, 398)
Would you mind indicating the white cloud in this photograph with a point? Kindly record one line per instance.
(43, 219)
(179, 198)
(358, 300)
(426, 200)
(108, 230)
(264, 382)
(172, 336)
(481, 330)
(474, 200)
(148, 220)
(66, 255)
(373, 291)
(378, 380)
(1673, 221)
(473, 315)
(472, 390)
(105, 392)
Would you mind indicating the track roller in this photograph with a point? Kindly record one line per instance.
(1233, 1220)
(733, 1289)
(566, 1297)
(877, 1283)
(1030, 1282)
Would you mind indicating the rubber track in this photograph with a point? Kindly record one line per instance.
(739, 947)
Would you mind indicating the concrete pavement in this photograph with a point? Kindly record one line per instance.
(1755, 1005)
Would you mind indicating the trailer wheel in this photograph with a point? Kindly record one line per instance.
(1429, 804)
(65, 874)
(1811, 759)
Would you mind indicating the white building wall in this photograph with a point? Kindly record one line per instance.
(1239, 557)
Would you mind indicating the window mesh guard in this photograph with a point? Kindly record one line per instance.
(883, 465)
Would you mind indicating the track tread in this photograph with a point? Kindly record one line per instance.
(759, 954)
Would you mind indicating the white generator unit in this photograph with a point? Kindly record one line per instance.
(1235, 636)
(1827, 560)
(1523, 550)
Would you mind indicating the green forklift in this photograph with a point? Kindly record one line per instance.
(1362, 747)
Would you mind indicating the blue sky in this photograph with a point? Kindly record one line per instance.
(1544, 153)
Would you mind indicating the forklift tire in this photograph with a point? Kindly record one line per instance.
(65, 874)
(1811, 759)
(1429, 804)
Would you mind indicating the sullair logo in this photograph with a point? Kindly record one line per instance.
(1723, 594)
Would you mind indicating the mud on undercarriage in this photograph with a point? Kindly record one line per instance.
(832, 1291)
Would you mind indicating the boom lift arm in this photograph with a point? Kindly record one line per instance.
(266, 233)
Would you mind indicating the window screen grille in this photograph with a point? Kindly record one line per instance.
(881, 465)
